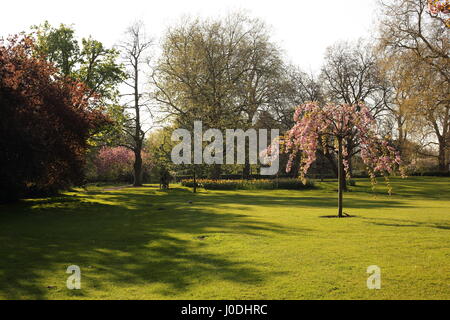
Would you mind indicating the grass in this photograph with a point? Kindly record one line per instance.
(142, 243)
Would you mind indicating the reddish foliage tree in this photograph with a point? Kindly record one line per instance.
(116, 164)
(45, 123)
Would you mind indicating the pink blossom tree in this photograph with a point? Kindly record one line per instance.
(316, 126)
(113, 163)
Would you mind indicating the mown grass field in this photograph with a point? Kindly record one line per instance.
(149, 244)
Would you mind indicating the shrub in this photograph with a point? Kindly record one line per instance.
(45, 123)
(294, 184)
(116, 164)
(287, 184)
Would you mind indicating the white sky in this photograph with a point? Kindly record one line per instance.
(303, 28)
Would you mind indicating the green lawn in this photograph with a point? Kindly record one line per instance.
(148, 244)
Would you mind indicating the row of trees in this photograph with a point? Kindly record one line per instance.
(223, 72)
(106, 72)
(61, 108)
(416, 66)
(228, 73)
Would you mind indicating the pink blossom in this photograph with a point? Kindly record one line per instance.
(117, 161)
(338, 122)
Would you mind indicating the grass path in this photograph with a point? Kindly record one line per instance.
(142, 243)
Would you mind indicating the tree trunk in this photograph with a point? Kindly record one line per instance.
(137, 169)
(216, 171)
(137, 135)
(322, 167)
(443, 138)
(442, 158)
(350, 169)
(340, 180)
(332, 162)
(401, 135)
(195, 180)
(343, 181)
(246, 170)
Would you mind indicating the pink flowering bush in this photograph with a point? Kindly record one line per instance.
(116, 164)
(318, 126)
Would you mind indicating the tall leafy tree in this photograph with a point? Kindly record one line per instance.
(409, 25)
(350, 75)
(416, 28)
(221, 71)
(45, 124)
(89, 61)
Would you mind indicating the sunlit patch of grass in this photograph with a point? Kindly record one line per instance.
(143, 243)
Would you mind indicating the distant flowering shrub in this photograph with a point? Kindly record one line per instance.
(288, 184)
(116, 164)
(113, 161)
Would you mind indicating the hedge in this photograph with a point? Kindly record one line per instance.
(286, 184)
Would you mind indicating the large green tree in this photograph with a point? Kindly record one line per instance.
(221, 71)
(88, 61)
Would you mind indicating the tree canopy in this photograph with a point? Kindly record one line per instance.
(45, 124)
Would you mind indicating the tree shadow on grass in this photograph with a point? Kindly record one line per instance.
(411, 187)
(401, 223)
(299, 200)
(120, 238)
(117, 239)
